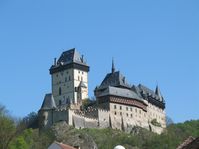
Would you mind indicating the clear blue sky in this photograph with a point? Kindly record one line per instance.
(152, 41)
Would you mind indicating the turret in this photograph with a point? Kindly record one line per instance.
(158, 93)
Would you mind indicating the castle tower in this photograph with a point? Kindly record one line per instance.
(69, 79)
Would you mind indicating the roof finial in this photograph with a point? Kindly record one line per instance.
(113, 66)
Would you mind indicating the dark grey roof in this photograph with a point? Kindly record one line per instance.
(122, 92)
(158, 93)
(136, 90)
(71, 56)
(48, 103)
(146, 92)
(114, 79)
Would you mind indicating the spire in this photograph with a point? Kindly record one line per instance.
(113, 66)
(158, 93)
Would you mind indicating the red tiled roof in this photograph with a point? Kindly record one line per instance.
(189, 143)
(64, 146)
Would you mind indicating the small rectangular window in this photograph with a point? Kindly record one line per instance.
(127, 109)
(120, 107)
(115, 106)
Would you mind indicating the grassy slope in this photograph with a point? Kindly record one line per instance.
(171, 138)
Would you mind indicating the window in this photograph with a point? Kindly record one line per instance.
(59, 90)
(69, 78)
(120, 107)
(78, 71)
(65, 79)
(127, 108)
(131, 115)
(68, 100)
(115, 106)
(115, 113)
(82, 72)
(127, 114)
(131, 109)
(59, 102)
(120, 113)
(136, 110)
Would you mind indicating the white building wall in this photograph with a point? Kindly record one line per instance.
(157, 113)
(68, 80)
(79, 76)
(131, 115)
(63, 80)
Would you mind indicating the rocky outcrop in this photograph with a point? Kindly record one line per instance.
(68, 135)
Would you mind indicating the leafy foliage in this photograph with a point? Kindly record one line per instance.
(31, 120)
(88, 102)
(155, 123)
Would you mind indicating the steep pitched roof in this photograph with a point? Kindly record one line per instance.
(64, 146)
(69, 59)
(48, 103)
(71, 56)
(158, 93)
(114, 79)
(122, 92)
(148, 92)
(136, 90)
(60, 145)
(189, 143)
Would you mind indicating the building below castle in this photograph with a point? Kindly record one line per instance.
(118, 104)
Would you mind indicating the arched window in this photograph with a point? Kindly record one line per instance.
(59, 90)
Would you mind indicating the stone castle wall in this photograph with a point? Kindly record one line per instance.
(98, 118)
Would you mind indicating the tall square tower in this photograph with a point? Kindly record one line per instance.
(69, 79)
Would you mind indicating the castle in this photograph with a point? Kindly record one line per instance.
(118, 104)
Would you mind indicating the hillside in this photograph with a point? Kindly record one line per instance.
(139, 138)
(22, 134)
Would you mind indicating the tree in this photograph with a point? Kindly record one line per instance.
(7, 128)
(169, 121)
(31, 120)
(19, 143)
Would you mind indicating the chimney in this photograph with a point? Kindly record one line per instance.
(113, 66)
(55, 61)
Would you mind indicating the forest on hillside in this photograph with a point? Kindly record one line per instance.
(23, 134)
